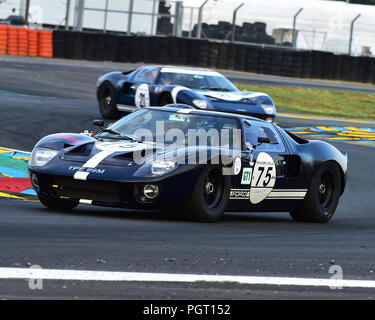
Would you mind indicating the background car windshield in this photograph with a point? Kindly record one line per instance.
(146, 119)
(197, 81)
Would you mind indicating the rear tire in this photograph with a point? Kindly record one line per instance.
(210, 197)
(57, 204)
(323, 196)
(107, 102)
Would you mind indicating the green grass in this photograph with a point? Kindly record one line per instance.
(320, 102)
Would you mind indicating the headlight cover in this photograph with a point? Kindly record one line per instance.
(200, 103)
(162, 167)
(41, 156)
(269, 109)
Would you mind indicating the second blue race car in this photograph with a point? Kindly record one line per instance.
(119, 92)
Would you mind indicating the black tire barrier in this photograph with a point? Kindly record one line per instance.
(182, 58)
(240, 63)
(231, 56)
(212, 54)
(203, 50)
(110, 47)
(122, 54)
(222, 56)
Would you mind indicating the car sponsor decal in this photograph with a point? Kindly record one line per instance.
(142, 96)
(239, 194)
(276, 194)
(194, 72)
(246, 175)
(237, 165)
(264, 178)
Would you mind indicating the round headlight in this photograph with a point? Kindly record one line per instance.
(150, 191)
(201, 104)
(42, 156)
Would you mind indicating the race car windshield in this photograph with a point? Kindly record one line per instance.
(197, 81)
(174, 127)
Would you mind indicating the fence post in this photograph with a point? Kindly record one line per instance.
(199, 31)
(234, 21)
(351, 33)
(294, 35)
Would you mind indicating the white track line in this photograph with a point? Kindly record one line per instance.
(52, 274)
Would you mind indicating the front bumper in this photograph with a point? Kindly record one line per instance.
(173, 191)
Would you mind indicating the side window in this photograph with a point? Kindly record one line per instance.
(267, 131)
(147, 76)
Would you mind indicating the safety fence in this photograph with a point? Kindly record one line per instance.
(22, 41)
(186, 51)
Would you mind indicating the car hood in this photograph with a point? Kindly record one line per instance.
(116, 153)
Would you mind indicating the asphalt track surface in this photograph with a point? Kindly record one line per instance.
(58, 96)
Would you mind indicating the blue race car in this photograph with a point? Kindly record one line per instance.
(161, 85)
(149, 160)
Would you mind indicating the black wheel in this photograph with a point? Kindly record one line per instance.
(107, 102)
(57, 204)
(210, 196)
(323, 196)
(166, 99)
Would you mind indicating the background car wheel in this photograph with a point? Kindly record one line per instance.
(323, 196)
(210, 196)
(57, 204)
(107, 102)
(166, 99)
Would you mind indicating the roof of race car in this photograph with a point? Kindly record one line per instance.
(176, 68)
(188, 109)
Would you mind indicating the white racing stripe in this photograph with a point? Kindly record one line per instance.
(95, 160)
(80, 175)
(92, 163)
(191, 71)
(83, 275)
(287, 194)
(85, 201)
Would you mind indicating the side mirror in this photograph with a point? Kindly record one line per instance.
(98, 123)
(264, 140)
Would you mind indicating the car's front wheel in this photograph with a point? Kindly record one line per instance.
(107, 102)
(210, 196)
(57, 204)
(323, 196)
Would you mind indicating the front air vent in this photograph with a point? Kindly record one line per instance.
(82, 150)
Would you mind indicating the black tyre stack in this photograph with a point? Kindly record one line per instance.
(122, 53)
(182, 44)
(240, 63)
(111, 47)
(276, 61)
(59, 44)
(231, 54)
(213, 53)
(252, 59)
(222, 56)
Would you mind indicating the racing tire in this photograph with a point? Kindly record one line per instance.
(57, 204)
(210, 197)
(107, 102)
(166, 99)
(323, 196)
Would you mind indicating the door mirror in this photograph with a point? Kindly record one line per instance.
(98, 123)
(264, 140)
